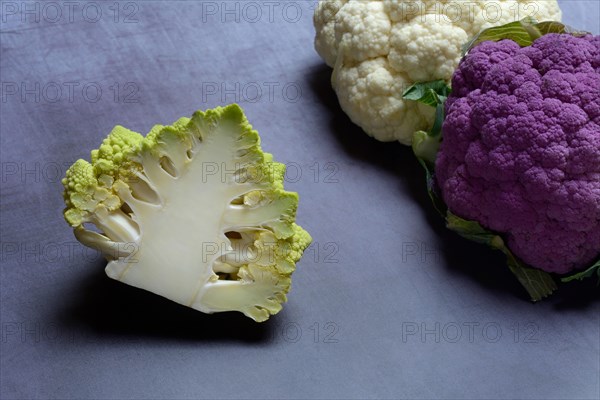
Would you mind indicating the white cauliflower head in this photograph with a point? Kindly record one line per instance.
(377, 49)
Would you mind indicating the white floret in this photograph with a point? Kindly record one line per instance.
(371, 94)
(324, 20)
(424, 51)
(365, 28)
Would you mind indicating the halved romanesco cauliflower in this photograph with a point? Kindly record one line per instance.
(194, 212)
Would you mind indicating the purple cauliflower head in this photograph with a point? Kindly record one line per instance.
(521, 147)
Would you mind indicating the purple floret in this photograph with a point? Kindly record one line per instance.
(521, 148)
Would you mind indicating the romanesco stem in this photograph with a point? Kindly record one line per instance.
(118, 226)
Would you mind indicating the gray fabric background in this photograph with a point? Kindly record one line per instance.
(382, 266)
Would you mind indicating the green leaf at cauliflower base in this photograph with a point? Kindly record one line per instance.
(539, 284)
(430, 93)
(588, 273)
(425, 147)
(516, 31)
(433, 94)
(523, 32)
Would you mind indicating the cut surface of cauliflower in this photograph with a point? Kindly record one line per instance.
(195, 212)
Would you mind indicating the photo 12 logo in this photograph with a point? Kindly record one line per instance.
(54, 12)
(69, 92)
(317, 333)
(14, 172)
(468, 332)
(457, 11)
(322, 173)
(66, 252)
(253, 11)
(251, 92)
(240, 252)
(35, 332)
(33, 172)
(419, 252)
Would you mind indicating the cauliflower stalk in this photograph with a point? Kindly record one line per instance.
(194, 212)
(377, 49)
(519, 164)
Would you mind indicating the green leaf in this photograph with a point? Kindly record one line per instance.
(588, 273)
(425, 148)
(436, 129)
(537, 283)
(425, 145)
(472, 230)
(431, 93)
(556, 27)
(523, 32)
(551, 27)
(518, 31)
